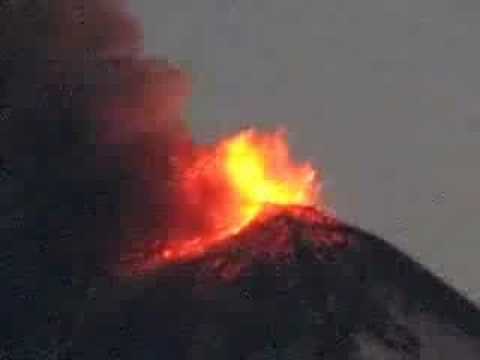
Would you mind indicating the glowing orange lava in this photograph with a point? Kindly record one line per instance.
(228, 185)
(260, 172)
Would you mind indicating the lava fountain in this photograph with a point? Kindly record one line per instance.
(225, 187)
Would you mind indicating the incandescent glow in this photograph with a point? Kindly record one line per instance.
(260, 172)
(225, 187)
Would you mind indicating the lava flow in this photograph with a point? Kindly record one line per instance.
(242, 179)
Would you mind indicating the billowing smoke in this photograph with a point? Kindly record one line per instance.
(88, 125)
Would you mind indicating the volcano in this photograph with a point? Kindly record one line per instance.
(123, 238)
(297, 285)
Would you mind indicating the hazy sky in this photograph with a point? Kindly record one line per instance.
(382, 95)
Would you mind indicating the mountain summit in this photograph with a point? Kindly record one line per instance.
(298, 285)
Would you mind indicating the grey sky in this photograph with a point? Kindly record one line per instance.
(382, 95)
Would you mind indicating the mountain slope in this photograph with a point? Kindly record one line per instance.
(336, 293)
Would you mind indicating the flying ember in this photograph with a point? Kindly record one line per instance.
(227, 186)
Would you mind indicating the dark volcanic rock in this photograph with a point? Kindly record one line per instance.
(358, 298)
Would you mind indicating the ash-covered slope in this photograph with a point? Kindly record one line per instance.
(340, 293)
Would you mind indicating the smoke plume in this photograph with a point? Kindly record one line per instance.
(89, 123)
(89, 126)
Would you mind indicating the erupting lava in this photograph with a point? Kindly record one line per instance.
(260, 172)
(227, 186)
